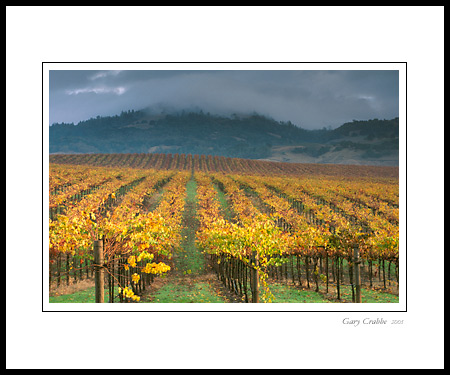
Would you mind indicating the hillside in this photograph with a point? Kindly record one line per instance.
(222, 164)
(373, 142)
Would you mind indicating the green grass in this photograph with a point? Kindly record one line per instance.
(84, 296)
(225, 207)
(200, 292)
(285, 294)
(189, 258)
(367, 295)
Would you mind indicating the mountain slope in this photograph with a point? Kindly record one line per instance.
(252, 136)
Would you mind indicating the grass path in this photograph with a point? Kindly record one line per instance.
(190, 280)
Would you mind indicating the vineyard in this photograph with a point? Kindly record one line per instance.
(136, 222)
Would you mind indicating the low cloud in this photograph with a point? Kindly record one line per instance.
(310, 99)
(98, 90)
(104, 74)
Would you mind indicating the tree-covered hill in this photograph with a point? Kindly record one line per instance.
(251, 136)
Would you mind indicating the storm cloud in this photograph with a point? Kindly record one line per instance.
(310, 99)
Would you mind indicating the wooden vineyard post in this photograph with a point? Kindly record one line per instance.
(326, 267)
(255, 278)
(338, 286)
(99, 273)
(357, 262)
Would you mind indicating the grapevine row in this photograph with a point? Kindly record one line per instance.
(132, 237)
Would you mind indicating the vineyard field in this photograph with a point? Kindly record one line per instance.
(209, 163)
(173, 228)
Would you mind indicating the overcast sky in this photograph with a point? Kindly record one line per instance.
(310, 99)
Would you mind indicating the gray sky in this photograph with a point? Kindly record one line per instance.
(311, 99)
